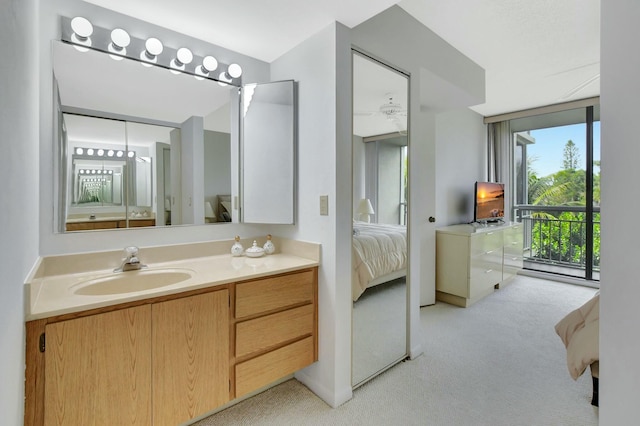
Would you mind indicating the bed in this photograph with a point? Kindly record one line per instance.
(579, 331)
(379, 254)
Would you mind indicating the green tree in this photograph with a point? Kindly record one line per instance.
(571, 156)
(561, 237)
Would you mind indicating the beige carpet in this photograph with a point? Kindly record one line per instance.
(498, 362)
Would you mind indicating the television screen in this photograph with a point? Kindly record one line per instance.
(489, 202)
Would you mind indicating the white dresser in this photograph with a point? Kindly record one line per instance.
(472, 261)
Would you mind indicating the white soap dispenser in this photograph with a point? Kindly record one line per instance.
(268, 247)
(236, 248)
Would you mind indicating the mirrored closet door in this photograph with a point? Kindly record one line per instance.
(380, 243)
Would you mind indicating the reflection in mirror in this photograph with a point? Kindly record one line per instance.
(178, 130)
(268, 152)
(111, 173)
(380, 249)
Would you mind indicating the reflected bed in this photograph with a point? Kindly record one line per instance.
(379, 254)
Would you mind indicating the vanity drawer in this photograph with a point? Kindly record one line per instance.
(274, 365)
(269, 294)
(272, 330)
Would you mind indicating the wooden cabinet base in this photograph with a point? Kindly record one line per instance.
(267, 368)
(169, 359)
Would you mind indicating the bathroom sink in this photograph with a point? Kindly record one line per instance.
(131, 281)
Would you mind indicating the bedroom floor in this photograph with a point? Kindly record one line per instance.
(498, 362)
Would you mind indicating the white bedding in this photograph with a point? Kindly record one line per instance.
(580, 333)
(378, 250)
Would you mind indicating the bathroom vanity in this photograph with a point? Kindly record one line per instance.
(169, 354)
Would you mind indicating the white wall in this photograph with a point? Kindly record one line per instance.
(324, 168)
(19, 177)
(461, 151)
(50, 241)
(620, 153)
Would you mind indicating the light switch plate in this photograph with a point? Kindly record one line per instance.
(324, 205)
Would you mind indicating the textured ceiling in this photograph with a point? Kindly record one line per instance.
(534, 52)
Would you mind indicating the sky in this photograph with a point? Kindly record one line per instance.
(548, 150)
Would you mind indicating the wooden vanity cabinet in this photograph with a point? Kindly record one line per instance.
(170, 359)
(98, 369)
(160, 363)
(190, 356)
(275, 328)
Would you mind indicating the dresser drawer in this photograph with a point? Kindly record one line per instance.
(267, 368)
(486, 272)
(484, 242)
(272, 330)
(269, 294)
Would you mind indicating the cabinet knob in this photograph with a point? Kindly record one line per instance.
(432, 219)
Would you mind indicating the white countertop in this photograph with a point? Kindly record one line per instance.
(52, 295)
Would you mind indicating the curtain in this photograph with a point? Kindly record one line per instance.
(500, 160)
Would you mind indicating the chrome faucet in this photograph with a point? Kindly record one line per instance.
(131, 262)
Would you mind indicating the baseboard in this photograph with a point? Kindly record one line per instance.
(333, 399)
(415, 351)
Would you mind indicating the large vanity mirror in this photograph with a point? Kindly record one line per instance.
(380, 244)
(144, 146)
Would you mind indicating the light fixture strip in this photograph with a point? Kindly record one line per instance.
(101, 40)
(99, 153)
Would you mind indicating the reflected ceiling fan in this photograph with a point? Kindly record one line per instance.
(390, 110)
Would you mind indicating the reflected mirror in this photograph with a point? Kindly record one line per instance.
(175, 134)
(379, 234)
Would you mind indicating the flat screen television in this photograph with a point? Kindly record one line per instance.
(489, 202)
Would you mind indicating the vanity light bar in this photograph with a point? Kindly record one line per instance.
(91, 152)
(95, 172)
(118, 43)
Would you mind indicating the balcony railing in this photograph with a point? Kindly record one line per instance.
(555, 238)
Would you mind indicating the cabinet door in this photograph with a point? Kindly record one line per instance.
(98, 369)
(513, 256)
(190, 356)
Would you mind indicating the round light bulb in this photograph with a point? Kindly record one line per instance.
(130, 154)
(101, 152)
(184, 56)
(110, 153)
(120, 38)
(209, 63)
(119, 41)
(90, 151)
(79, 151)
(81, 27)
(234, 71)
(119, 154)
(153, 46)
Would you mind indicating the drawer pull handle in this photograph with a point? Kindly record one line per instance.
(488, 271)
(489, 252)
(514, 258)
(489, 233)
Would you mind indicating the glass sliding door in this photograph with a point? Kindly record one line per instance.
(557, 190)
